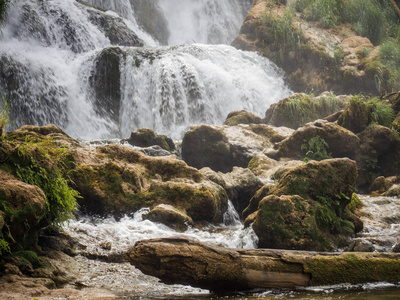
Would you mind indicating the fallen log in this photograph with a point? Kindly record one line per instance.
(184, 261)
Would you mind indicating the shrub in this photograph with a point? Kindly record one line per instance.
(315, 148)
(4, 115)
(389, 53)
(370, 18)
(380, 112)
(327, 12)
(44, 164)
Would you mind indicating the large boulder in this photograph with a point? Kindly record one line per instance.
(341, 142)
(379, 154)
(121, 180)
(223, 147)
(306, 209)
(105, 81)
(299, 109)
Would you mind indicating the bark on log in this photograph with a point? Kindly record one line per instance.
(183, 261)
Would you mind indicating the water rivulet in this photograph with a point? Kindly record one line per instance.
(98, 73)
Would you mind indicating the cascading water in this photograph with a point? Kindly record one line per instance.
(55, 67)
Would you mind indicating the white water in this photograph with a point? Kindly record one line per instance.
(51, 47)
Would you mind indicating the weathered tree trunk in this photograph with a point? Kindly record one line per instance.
(184, 261)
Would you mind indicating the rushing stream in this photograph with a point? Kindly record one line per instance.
(58, 64)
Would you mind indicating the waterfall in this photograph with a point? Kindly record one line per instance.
(83, 67)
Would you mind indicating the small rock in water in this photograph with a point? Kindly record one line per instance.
(396, 247)
(106, 245)
(362, 246)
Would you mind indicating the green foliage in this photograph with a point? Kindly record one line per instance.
(44, 164)
(283, 30)
(315, 149)
(327, 12)
(380, 112)
(4, 247)
(389, 53)
(371, 18)
(355, 203)
(364, 52)
(31, 257)
(4, 115)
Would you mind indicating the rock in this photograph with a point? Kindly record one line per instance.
(114, 28)
(240, 185)
(105, 81)
(341, 142)
(306, 209)
(299, 109)
(205, 146)
(23, 207)
(362, 246)
(380, 155)
(261, 165)
(255, 201)
(313, 58)
(393, 191)
(380, 185)
(213, 176)
(396, 248)
(125, 180)
(183, 261)
(242, 117)
(169, 216)
(144, 137)
(222, 147)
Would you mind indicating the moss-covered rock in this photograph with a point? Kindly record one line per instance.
(205, 146)
(307, 208)
(170, 216)
(380, 154)
(242, 117)
(299, 109)
(341, 142)
(144, 137)
(361, 112)
(22, 206)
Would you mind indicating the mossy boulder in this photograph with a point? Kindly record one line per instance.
(379, 154)
(22, 206)
(169, 216)
(242, 117)
(205, 146)
(307, 208)
(299, 109)
(341, 142)
(144, 137)
(121, 180)
(361, 112)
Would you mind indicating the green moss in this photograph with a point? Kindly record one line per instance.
(351, 268)
(31, 257)
(355, 203)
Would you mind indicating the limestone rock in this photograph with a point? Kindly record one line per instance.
(170, 216)
(222, 147)
(240, 185)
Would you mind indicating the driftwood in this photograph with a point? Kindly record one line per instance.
(184, 261)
